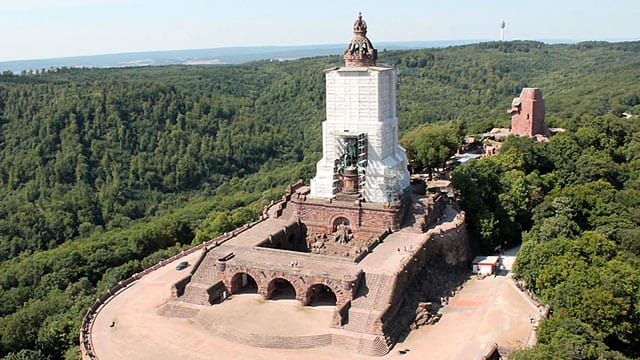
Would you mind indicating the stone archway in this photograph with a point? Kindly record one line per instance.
(243, 283)
(338, 222)
(279, 289)
(320, 294)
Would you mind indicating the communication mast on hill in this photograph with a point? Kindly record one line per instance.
(502, 25)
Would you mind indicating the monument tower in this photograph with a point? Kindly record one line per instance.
(361, 156)
(335, 243)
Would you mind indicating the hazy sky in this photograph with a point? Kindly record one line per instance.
(31, 29)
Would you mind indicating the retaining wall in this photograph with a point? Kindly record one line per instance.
(451, 244)
(273, 341)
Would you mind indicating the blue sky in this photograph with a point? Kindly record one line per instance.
(31, 29)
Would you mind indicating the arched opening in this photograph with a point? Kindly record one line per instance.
(280, 289)
(338, 223)
(243, 283)
(320, 294)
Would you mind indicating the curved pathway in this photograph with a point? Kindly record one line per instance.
(140, 333)
(483, 312)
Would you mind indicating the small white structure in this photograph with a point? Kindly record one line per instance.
(361, 109)
(485, 265)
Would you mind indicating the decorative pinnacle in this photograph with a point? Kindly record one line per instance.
(360, 51)
(360, 26)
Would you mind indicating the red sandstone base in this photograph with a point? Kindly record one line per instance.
(368, 290)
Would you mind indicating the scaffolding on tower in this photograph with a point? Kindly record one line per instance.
(336, 185)
(363, 147)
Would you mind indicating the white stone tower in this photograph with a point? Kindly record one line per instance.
(361, 154)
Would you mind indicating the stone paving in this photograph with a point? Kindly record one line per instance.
(388, 256)
(258, 233)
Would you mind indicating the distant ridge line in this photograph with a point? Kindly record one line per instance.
(237, 54)
(213, 56)
(234, 54)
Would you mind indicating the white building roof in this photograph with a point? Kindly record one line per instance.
(486, 260)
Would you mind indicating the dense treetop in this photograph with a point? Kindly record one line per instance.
(575, 203)
(105, 171)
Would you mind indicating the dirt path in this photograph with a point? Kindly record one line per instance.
(484, 312)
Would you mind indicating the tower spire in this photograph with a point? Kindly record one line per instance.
(360, 51)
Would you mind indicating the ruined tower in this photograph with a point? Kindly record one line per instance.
(361, 155)
(527, 114)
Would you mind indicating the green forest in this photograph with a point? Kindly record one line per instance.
(103, 172)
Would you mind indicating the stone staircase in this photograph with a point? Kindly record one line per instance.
(196, 293)
(266, 340)
(375, 293)
(363, 325)
(379, 346)
(360, 320)
(179, 309)
(205, 273)
(365, 344)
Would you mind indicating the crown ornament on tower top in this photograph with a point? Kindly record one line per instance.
(360, 26)
(360, 52)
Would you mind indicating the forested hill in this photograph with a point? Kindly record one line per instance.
(105, 171)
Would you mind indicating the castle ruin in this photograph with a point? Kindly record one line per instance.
(527, 114)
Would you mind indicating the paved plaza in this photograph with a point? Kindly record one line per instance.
(483, 312)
